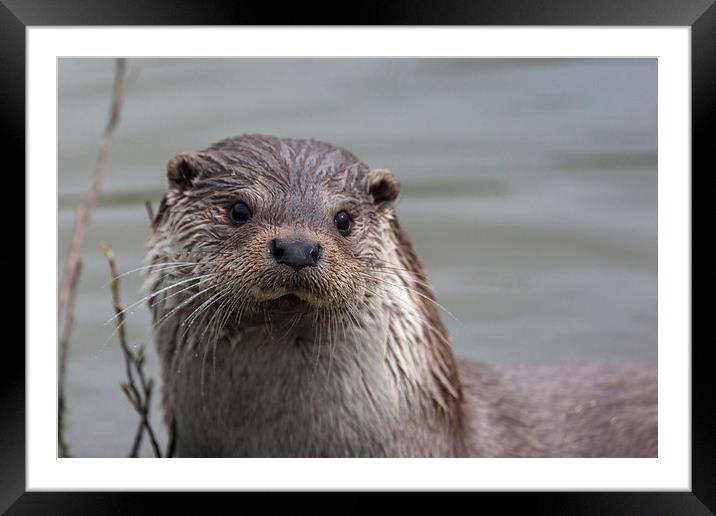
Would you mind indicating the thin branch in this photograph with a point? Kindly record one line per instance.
(138, 396)
(64, 450)
(85, 208)
(70, 277)
(138, 435)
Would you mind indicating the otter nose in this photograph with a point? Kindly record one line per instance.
(295, 253)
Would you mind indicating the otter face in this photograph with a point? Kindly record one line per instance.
(296, 223)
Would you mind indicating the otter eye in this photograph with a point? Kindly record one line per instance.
(343, 221)
(239, 213)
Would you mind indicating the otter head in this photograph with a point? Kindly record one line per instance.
(269, 222)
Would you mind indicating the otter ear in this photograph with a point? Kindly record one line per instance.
(182, 170)
(382, 185)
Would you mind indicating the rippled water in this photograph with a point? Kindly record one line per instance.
(529, 189)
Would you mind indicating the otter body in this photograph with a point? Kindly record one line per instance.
(282, 397)
(293, 318)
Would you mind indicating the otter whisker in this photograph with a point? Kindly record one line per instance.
(214, 327)
(157, 301)
(329, 334)
(430, 326)
(231, 308)
(427, 298)
(180, 306)
(159, 323)
(387, 264)
(126, 312)
(333, 326)
(294, 320)
(153, 294)
(401, 305)
(320, 336)
(394, 272)
(188, 321)
(157, 267)
(186, 329)
(213, 336)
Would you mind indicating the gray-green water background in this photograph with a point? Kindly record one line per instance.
(529, 187)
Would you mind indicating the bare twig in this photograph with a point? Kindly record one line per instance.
(85, 208)
(64, 450)
(70, 277)
(139, 396)
(137, 437)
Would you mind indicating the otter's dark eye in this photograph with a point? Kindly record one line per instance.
(239, 213)
(343, 222)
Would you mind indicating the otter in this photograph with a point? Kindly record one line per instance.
(293, 318)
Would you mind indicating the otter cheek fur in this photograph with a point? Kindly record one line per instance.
(293, 318)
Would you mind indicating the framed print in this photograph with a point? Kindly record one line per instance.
(245, 304)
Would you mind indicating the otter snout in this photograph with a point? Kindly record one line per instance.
(295, 253)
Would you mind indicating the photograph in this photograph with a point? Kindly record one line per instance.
(357, 257)
(424, 248)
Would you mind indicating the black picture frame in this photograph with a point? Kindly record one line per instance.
(16, 15)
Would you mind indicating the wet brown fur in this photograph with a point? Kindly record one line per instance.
(361, 365)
